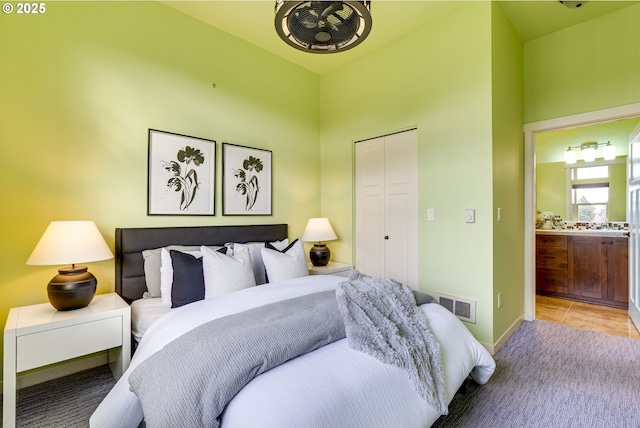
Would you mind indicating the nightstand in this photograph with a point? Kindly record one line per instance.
(39, 335)
(333, 268)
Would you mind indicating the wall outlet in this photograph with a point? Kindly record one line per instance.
(499, 300)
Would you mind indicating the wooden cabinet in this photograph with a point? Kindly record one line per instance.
(587, 268)
(618, 271)
(551, 263)
(598, 269)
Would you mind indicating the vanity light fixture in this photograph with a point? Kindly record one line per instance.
(589, 152)
(570, 156)
(609, 151)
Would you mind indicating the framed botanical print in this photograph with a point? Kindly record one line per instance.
(181, 174)
(246, 180)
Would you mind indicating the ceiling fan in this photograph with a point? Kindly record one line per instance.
(323, 26)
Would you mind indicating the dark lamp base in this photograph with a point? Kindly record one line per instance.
(319, 255)
(72, 288)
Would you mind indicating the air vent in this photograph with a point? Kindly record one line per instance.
(465, 309)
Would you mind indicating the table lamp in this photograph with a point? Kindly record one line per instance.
(70, 242)
(318, 230)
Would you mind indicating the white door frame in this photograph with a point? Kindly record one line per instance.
(530, 131)
(634, 228)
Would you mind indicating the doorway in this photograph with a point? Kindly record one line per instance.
(530, 131)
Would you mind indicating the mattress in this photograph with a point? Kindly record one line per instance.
(145, 312)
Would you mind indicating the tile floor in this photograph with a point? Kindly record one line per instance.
(587, 316)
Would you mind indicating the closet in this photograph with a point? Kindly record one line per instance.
(386, 211)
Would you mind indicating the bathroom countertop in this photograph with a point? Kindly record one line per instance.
(584, 232)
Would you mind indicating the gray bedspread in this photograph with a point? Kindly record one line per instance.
(382, 320)
(230, 351)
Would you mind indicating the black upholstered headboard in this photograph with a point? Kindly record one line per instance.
(130, 242)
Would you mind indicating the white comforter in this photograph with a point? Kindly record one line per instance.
(333, 386)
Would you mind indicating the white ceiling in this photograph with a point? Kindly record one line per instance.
(253, 21)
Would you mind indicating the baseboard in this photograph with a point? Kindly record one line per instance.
(36, 376)
(493, 349)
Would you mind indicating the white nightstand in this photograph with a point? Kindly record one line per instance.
(333, 268)
(39, 335)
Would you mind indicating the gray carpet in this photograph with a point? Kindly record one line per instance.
(554, 376)
(66, 402)
(548, 375)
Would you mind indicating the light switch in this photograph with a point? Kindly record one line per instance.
(470, 216)
(430, 214)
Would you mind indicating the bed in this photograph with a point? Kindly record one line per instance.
(331, 386)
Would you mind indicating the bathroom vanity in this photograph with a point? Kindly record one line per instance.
(585, 265)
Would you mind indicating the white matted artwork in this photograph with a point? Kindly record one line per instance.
(246, 180)
(181, 175)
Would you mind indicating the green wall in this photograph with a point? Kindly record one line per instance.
(508, 173)
(587, 67)
(443, 89)
(80, 87)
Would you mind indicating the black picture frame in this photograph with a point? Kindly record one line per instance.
(246, 180)
(181, 174)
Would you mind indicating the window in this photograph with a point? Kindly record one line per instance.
(590, 194)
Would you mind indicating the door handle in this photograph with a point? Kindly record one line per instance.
(386, 237)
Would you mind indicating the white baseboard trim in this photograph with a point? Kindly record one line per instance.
(493, 349)
(36, 376)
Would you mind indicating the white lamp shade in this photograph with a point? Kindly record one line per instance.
(318, 230)
(70, 242)
(588, 154)
(570, 156)
(609, 151)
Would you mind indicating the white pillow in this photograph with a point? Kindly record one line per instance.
(166, 272)
(153, 265)
(256, 256)
(225, 274)
(287, 265)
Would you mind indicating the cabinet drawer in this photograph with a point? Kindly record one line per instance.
(551, 280)
(551, 241)
(551, 257)
(59, 344)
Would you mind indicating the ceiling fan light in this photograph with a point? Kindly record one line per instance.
(323, 26)
(572, 4)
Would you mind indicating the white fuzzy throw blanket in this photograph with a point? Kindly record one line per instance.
(382, 320)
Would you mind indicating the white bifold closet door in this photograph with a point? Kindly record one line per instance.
(386, 210)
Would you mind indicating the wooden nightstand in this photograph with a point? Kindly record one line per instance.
(333, 268)
(39, 335)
